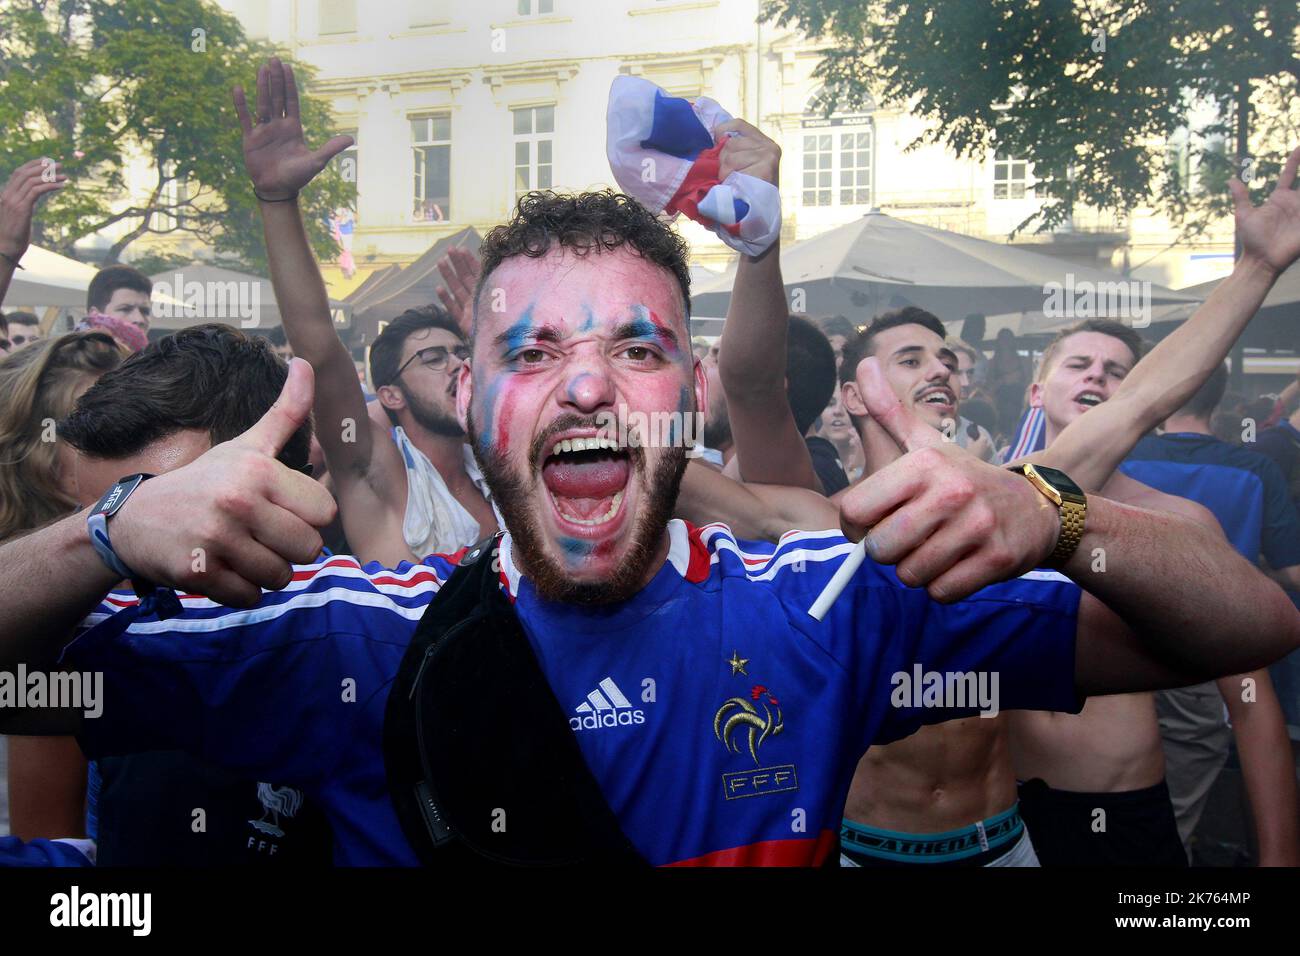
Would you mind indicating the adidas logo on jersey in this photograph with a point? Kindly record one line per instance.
(606, 707)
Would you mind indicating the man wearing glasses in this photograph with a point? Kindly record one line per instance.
(406, 482)
(414, 367)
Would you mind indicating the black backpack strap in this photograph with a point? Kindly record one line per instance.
(482, 763)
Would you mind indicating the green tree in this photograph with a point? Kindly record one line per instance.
(92, 83)
(1102, 96)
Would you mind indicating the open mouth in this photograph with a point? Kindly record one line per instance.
(1089, 399)
(939, 397)
(587, 478)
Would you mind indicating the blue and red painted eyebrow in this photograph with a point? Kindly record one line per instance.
(524, 331)
(645, 329)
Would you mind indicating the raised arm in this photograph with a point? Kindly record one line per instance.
(1191, 607)
(1093, 445)
(754, 511)
(366, 465)
(752, 352)
(28, 184)
(460, 270)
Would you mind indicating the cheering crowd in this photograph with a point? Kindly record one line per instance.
(455, 617)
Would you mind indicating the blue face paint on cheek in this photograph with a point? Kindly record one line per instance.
(683, 409)
(489, 411)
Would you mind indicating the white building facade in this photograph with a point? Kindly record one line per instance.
(459, 106)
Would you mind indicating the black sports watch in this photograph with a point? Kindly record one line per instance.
(153, 597)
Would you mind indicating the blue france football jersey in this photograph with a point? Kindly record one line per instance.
(721, 721)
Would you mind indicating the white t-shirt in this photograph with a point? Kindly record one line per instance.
(435, 522)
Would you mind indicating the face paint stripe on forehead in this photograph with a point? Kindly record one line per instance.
(646, 324)
(520, 331)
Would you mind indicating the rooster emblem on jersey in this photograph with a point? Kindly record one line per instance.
(277, 802)
(738, 715)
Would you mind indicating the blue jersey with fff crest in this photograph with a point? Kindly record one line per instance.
(722, 722)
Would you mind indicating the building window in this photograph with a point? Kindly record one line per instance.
(337, 16)
(534, 136)
(529, 7)
(837, 164)
(1010, 176)
(431, 146)
(838, 154)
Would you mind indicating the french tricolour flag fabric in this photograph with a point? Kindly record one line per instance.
(662, 152)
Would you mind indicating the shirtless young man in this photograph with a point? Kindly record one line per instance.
(943, 778)
(1108, 757)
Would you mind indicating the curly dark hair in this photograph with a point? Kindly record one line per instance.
(584, 222)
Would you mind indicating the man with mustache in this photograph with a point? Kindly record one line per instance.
(912, 800)
(946, 794)
(720, 721)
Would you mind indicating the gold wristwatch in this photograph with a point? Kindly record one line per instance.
(1070, 501)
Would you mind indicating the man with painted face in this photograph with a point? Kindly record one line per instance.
(744, 715)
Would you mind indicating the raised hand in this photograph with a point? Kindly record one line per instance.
(950, 522)
(751, 152)
(245, 513)
(1270, 233)
(460, 270)
(28, 184)
(275, 154)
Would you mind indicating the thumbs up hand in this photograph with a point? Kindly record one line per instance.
(234, 520)
(950, 522)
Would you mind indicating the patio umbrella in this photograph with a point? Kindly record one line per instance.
(878, 263)
(1275, 327)
(49, 279)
